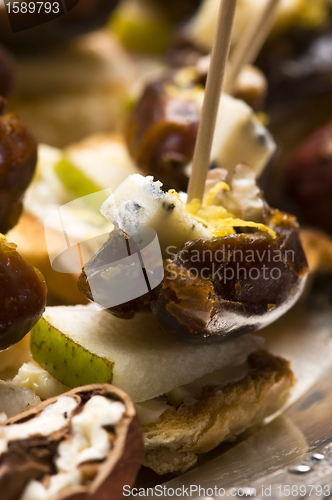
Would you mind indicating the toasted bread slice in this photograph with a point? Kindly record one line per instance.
(222, 413)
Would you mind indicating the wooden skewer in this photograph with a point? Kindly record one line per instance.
(250, 44)
(219, 55)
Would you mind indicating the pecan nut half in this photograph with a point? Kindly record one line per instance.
(84, 444)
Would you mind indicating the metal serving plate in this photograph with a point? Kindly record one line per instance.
(285, 451)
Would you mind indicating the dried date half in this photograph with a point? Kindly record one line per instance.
(308, 179)
(18, 160)
(217, 289)
(22, 295)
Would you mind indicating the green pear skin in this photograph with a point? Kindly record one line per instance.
(57, 353)
(74, 179)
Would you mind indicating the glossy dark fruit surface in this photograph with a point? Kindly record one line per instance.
(297, 65)
(18, 159)
(184, 52)
(217, 289)
(109, 258)
(6, 72)
(161, 133)
(308, 179)
(86, 16)
(162, 129)
(22, 295)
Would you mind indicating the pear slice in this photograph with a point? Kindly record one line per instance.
(141, 27)
(74, 179)
(102, 158)
(80, 345)
(99, 162)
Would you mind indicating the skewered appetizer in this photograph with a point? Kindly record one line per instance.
(295, 58)
(231, 265)
(189, 398)
(138, 202)
(172, 382)
(184, 354)
(162, 130)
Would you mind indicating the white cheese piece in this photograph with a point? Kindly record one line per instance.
(150, 411)
(239, 137)
(15, 399)
(45, 193)
(244, 199)
(189, 393)
(139, 202)
(202, 27)
(38, 380)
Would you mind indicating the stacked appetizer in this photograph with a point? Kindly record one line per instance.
(171, 325)
(189, 397)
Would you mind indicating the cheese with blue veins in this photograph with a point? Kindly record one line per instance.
(240, 137)
(140, 202)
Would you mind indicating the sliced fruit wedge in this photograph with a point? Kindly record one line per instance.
(79, 345)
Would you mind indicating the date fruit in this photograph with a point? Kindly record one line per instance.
(22, 295)
(18, 159)
(216, 289)
(162, 130)
(308, 179)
